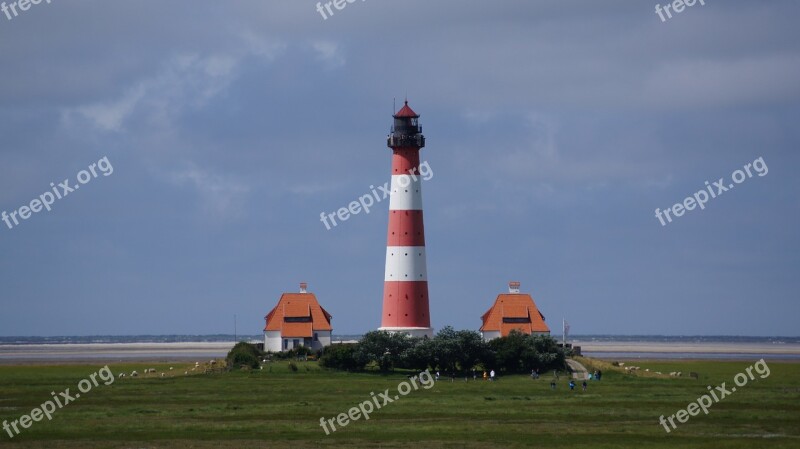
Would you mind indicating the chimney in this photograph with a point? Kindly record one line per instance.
(513, 287)
(303, 287)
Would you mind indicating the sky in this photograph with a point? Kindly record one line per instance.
(554, 132)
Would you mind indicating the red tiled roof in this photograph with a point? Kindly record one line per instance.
(406, 111)
(298, 305)
(515, 311)
(297, 330)
(296, 309)
(513, 305)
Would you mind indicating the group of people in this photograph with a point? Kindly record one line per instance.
(571, 385)
(490, 376)
(486, 376)
(596, 375)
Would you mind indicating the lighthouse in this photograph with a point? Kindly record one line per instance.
(405, 283)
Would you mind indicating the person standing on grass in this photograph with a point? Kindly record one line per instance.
(474, 374)
(484, 375)
(571, 385)
(584, 385)
(491, 375)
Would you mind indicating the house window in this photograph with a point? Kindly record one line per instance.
(296, 343)
(316, 336)
(285, 344)
(516, 320)
(297, 319)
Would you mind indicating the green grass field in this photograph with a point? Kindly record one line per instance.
(279, 408)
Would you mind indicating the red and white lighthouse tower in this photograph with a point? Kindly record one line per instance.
(405, 288)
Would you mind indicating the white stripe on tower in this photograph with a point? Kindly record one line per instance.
(406, 192)
(405, 264)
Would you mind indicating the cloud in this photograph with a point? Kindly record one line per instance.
(329, 53)
(221, 196)
(109, 116)
(708, 83)
(187, 81)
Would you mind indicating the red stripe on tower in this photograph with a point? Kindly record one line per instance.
(405, 288)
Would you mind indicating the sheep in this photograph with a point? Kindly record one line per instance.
(134, 374)
(121, 375)
(150, 370)
(162, 374)
(170, 368)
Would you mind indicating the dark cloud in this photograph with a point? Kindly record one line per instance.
(554, 131)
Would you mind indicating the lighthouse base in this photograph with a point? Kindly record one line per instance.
(420, 332)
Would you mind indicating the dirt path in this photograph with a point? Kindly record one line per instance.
(578, 371)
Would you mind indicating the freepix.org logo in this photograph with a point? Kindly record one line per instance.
(365, 202)
(60, 191)
(711, 191)
(10, 9)
(718, 393)
(366, 408)
(62, 399)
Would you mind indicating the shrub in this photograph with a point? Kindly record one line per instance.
(520, 353)
(384, 348)
(243, 354)
(340, 356)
